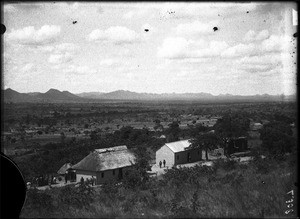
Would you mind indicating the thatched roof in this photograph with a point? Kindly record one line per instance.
(64, 168)
(106, 159)
(116, 148)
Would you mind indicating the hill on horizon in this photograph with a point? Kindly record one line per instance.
(51, 95)
(54, 95)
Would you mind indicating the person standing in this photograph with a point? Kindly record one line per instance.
(160, 163)
(164, 163)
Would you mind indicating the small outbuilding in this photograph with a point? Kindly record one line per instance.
(64, 168)
(235, 145)
(105, 164)
(68, 172)
(177, 152)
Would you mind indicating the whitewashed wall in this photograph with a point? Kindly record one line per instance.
(165, 153)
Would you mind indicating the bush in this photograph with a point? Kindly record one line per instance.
(39, 200)
(78, 197)
(132, 179)
(227, 164)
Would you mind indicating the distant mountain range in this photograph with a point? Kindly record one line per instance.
(51, 95)
(56, 96)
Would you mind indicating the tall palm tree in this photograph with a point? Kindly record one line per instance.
(205, 141)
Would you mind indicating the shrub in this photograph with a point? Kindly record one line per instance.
(225, 164)
(78, 197)
(132, 179)
(39, 200)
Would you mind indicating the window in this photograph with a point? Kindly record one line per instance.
(177, 157)
(113, 172)
(102, 175)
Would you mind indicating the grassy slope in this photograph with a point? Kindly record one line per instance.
(256, 190)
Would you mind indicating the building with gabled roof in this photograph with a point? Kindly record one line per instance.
(64, 168)
(105, 164)
(177, 152)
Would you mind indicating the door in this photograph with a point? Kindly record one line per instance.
(121, 173)
(188, 157)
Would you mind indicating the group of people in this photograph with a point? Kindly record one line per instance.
(91, 181)
(41, 181)
(160, 163)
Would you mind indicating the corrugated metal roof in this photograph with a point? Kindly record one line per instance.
(178, 145)
(106, 159)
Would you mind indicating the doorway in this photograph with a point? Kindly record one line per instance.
(121, 173)
(188, 157)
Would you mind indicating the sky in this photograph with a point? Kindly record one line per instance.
(103, 47)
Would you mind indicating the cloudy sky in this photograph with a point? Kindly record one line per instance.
(253, 50)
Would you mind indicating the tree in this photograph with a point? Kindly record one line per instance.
(62, 137)
(94, 136)
(206, 141)
(230, 127)
(277, 138)
(194, 130)
(157, 121)
(132, 179)
(173, 131)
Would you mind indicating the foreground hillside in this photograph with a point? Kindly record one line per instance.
(229, 189)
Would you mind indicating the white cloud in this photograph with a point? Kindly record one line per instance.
(180, 48)
(138, 11)
(256, 68)
(173, 48)
(128, 15)
(269, 59)
(196, 28)
(273, 44)
(66, 47)
(240, 50)
(28, 67)
(9, 9)
(59, 48)
(75, 6)
(215, 48)
(60, 58)
(61, 53)
(264, 65)
(276, 43)
(108, 62)
(251, 35)
(79, 69)
(29, 36)
(116, 34)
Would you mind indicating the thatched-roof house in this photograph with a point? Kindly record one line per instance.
(64, 168)
(105, 164)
